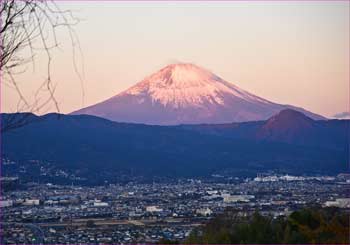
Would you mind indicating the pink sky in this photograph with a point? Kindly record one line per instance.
(287, 52)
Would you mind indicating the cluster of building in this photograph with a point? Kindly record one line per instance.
(147, 213)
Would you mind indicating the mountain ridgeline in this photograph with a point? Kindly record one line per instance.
(186, 94)
(288, 142)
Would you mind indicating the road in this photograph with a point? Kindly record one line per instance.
(141, 222)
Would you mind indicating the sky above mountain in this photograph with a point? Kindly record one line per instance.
(287, 52)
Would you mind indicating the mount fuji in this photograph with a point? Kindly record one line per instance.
(186, 94)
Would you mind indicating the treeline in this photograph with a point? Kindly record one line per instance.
(307, 226)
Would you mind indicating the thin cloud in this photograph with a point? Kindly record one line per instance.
(342, 115)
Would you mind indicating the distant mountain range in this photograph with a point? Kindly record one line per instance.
(186, 94)
(288, 126)
(87, 145)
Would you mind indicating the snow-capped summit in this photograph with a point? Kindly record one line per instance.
(185, 94)
(182, 85)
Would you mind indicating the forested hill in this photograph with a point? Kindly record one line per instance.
(92, 145)
(307, 226)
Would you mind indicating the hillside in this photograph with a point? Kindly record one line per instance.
(92, 146)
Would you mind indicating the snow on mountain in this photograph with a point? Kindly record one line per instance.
(186, 94)
(183, 85)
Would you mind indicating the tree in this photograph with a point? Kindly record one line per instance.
(27, 28)
(312, 225)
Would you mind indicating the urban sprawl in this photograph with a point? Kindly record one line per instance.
(146, 213)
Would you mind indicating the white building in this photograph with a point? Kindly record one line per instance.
(339, 202)
(272, 178)
(31, 202)
(153, 209)
(204, 211)
(212, 192)
(236, 198)
(6, 203)
(98, 203)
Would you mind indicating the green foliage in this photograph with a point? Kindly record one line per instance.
(307, 226)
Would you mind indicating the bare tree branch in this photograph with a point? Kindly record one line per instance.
(30, 26)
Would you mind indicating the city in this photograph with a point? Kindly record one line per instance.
(174, 122)
(149, 213)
